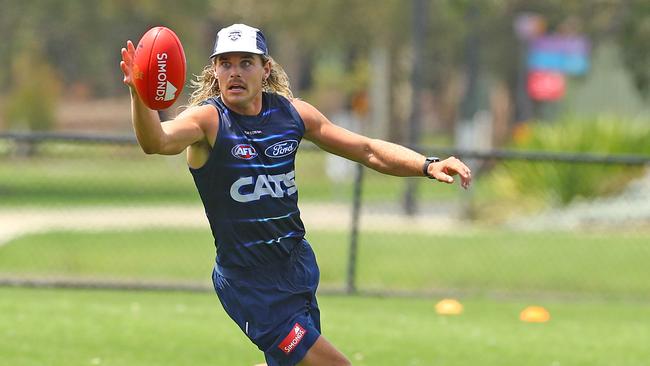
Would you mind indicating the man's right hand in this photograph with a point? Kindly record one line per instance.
(128, 55)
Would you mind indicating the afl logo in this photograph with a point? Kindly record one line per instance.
(243, 151)
(280, 149)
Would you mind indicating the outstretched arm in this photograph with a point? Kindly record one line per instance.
(382, 156)
(192, 127)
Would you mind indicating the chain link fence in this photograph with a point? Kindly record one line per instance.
(96, 211)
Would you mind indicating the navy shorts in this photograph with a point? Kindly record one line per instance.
(275, 306)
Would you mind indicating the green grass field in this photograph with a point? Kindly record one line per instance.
(594, 284)
(65, 175)
(478, 262)
(92, 327)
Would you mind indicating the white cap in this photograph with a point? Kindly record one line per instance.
(240, 38)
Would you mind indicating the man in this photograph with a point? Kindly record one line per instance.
(241, 133)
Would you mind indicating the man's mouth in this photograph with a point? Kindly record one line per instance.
(236, 87)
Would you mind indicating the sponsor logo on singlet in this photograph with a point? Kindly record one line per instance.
(243, 151)
(294, 337)
(280, 149)
(276, 186)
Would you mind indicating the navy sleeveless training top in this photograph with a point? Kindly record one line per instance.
(248, 184)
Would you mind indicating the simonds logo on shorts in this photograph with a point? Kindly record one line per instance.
(293, 339)
(243, 151)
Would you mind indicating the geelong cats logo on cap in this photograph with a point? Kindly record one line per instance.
(234, 35)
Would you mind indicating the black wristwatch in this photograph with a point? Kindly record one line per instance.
(427, 162)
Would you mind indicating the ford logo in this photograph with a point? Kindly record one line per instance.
(282, 148)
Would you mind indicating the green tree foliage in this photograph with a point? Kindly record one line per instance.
(81, 39)
(32, 101)
(533, 186)
(634, 36)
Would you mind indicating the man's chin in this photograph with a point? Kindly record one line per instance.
(235, 98)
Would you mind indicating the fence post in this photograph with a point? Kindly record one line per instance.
(419, 30)
(351, 286)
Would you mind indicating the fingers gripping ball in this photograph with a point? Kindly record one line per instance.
(159, 68)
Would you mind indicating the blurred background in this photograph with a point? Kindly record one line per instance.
(547, 101)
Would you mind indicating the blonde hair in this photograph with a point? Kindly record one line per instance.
(207, 85)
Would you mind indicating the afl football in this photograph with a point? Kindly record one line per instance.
(159, 68)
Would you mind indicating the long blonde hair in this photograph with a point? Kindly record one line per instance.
(207, 85)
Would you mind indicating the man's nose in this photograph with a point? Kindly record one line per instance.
(235, 71)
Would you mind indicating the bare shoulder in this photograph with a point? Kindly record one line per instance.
(309, 114)
(301, 106)
(204, 114)
(198, 121)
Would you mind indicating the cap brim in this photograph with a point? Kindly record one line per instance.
(221, 52)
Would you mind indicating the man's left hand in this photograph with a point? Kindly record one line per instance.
(445, 170)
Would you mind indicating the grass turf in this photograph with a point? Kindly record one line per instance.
(480, 262)
(67, 174)
(92, 327)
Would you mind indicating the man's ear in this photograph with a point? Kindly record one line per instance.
(267, 69)
(214, 69)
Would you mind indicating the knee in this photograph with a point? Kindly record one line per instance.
(343, 362)
(338, 360)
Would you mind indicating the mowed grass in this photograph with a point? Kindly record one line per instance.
(81, 175)
(480, 262)
(63, 174)
(91, 327)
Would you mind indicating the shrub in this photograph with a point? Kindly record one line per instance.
(33, 98)
(536, 185)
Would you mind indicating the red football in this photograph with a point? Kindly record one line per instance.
(159, 68)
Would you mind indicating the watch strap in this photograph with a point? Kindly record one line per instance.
(427, 162)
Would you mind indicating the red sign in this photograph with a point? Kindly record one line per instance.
(294, 337)
(546, 86)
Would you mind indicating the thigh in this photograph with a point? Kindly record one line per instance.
(324, 353)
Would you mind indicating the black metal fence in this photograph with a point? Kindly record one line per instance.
(79, 210)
